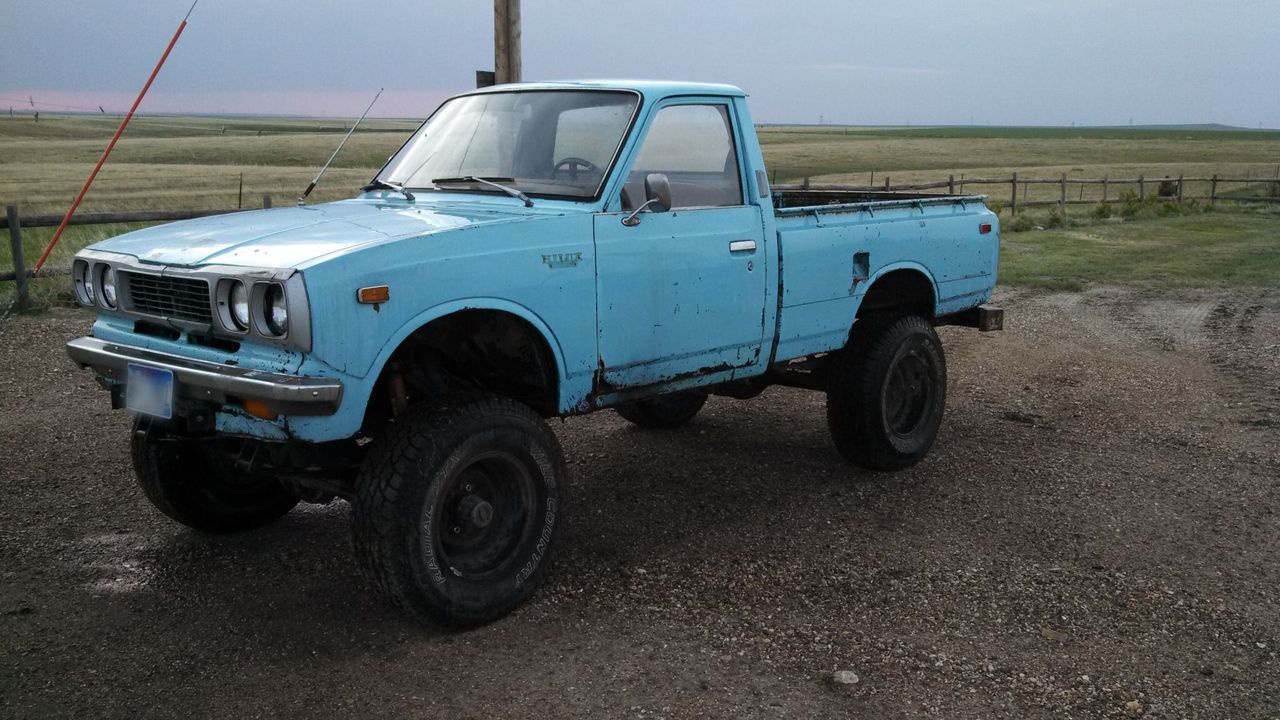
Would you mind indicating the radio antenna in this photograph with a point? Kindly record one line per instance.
(302, 199)
(112, 143)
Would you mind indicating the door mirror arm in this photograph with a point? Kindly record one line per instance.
(657, 190)
(632, 220)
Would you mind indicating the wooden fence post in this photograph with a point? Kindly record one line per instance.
(19, 265)
(1142, 188)
(1180, 187)
(1104, 188)
(886, 183)
(1062, 199)
(1013, 205)
(266, 202)
(1213, 190)
(951, 184)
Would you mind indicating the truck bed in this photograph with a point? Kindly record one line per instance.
(833, 244)
(789, 199)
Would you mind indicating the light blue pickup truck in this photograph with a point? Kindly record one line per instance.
(532, 251)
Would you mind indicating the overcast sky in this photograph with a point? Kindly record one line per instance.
(1053, 62)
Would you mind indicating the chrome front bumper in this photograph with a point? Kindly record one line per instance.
(210, 382)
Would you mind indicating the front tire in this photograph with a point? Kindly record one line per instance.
(201, 490)
(887, 392)
(665, 411)
(457, 510)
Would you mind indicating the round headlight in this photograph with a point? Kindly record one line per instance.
(239, 299)
(276, 311)
(109, 287)
(88, 288)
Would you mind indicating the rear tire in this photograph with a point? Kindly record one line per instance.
(194, 486)
(887, 391)
(665, 411)
(457, 509)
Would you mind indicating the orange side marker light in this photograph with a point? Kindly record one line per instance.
(374, 295)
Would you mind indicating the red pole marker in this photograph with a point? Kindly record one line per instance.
(119, 131)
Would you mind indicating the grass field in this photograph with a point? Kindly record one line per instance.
(203, 162)
(1211, 250)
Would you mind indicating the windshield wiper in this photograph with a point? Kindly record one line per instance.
(487, 181)
(383, 184)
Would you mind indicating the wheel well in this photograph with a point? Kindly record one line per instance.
(467, 352)
(908, 290)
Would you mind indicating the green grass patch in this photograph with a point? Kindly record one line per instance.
(1221, 249)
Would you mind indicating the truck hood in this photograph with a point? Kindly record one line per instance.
(289, 237)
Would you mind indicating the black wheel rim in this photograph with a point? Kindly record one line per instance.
(908, 392)
(486, 515)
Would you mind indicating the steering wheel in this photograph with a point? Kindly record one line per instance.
(572, 164)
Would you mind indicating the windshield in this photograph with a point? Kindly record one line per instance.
(542, 142)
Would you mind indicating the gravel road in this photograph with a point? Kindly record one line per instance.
(1096, 534)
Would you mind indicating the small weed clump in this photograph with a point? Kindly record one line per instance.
(1056, 219)
(1020, 223)
(1170, 209)
(1133, 207)
(1102, 211)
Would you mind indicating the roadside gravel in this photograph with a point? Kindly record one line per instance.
(1095, 535)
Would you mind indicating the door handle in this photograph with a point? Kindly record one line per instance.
(742, 246)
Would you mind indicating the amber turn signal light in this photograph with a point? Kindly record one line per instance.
(257, 408)
(374, 295)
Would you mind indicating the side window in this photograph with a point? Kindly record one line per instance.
(693, 146)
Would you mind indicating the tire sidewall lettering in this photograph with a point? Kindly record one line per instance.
(539, 462)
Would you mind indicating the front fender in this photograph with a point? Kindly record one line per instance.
(570, 393)
(359, 389)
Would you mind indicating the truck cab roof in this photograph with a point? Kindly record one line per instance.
(650, 89)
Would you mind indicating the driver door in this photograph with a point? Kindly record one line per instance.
(682, 292)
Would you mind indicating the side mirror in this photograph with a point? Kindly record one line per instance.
(658, 187)
(657, 190)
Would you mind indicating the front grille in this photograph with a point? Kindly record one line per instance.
(176, 298)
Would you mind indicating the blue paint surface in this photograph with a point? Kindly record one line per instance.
(660, 306)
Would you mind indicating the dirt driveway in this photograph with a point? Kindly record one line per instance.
(1097, 534)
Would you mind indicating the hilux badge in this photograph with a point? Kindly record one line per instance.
(561, 260)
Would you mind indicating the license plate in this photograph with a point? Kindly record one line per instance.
(149, 391)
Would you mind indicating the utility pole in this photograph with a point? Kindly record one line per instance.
(506, 41)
